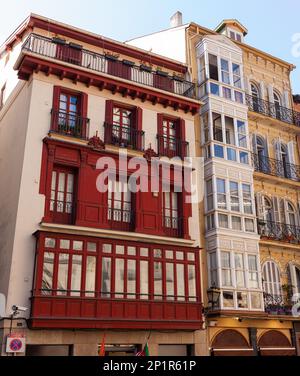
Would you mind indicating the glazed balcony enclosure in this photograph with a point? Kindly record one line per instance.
(74, 54)
(272, 110)
(86, 282)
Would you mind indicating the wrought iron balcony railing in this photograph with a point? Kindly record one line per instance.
(74, 54)
(279, 231)
(69, 124)
(121, 219)
(273, 110)
(172, 147)
(126, 137)
(173, 226)
(277, 304)
(275, 167)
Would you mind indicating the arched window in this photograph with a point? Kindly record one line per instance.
(271, 278)
(254, 90)
(291, 214)
(267, 209)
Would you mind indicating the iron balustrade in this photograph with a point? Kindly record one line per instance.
(277, 304)
(124, 136)
(273, 110)
(172, 147)
(279, 231)
(74, 54)
(275, 167)
(69, 124)
(121, 219)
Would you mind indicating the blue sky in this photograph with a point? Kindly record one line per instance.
(271, 24)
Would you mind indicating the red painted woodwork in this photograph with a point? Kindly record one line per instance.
(29, 64)
(93, 39)
(163, 82)
(58, 304)
(92, 206)
(69, 54)
(118, 69)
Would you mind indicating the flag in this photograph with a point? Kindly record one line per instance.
(144, 352)
(102, 347)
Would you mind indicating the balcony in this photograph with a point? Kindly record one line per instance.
(172, 147)
(275, 167)
(124, 137)
(74, 54)
(89, 282)
(279, 231)
(272, 110)
(69, 124)
(173, 227)
(277, 304)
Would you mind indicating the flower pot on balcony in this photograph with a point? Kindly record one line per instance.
(75, 46)
(128, 63)
(177, 78)
(58, 40)
(161, 73)
(145, 68)
(111, 57)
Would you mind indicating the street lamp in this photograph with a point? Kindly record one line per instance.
(213, 294)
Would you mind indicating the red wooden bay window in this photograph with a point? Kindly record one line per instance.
(171, 137)
(62, 199)
(69, 113)
(123, 125)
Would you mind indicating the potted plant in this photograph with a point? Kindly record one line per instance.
(58, 40)
(146, 68)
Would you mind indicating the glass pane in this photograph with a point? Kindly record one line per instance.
(219, 151)
(228, 301)
(158, 280)
(180, 282)
(91, 247)
(64, 244)
(106, 248)
(77, 245)
(157, 253)
(144, 252)
(131, 279)
(170, 281)
(255, 300)
(76, 275)
(179, 255)
(169, 254)
(106, 277)
(62, 279)
(90, 276)
(131, 251)
(242, 299)
(49, 243)
(119, 278)
(120, 249)
(144, 283)
(192, 282)
(47, 280)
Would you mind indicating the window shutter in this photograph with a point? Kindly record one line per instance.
(181, 136)
(291, 154)
(254, 143)
(160, 141)
(259, 205)
(283, 210)
(109, 111)
(56, 94)
(286, 99)
(247, 85)
(138, 125)
(84, 111)
(293, 278)
(262, 90)
(276, 213)
(270, 93)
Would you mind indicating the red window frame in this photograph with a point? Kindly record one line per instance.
(62, 202)
(171, 145)
(66, 121)
(172, 213)
(170, 284)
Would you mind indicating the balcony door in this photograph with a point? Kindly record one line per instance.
(271, 279)
(63, 195)
(68, 114)
(122, 126)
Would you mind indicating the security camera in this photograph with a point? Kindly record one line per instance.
(19, 308)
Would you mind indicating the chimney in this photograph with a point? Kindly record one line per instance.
(176, 19)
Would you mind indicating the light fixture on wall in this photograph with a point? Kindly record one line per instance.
(213, 295)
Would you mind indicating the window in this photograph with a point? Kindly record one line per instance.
(234, 196)
(170, 210)
(121, 129)
(217, 127)
(221, 194)
(226, 93)
(219, 151)
(62, 195)
(231, 154)
(229, 127)
(254, 90)
(205, 127)
(213, 67)
(239, 270)
(253, 271)
(225, 71)
(271, 278)
(214, 89)
(238, 97)
(236, 71)
(249, 225)
(69, 121)
(291, 214)
(47, 278)
(247, 200)
(223, 220)
(202, 75)
(226, 269)
(209, 195)
(242, 299)
(213, 269)
(119, 202)
(170, 136)
(242, 135)
(244, 157)
(236, 223)
(228, 299)
(210, 222)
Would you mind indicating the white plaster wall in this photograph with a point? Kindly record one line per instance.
(169, 43)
